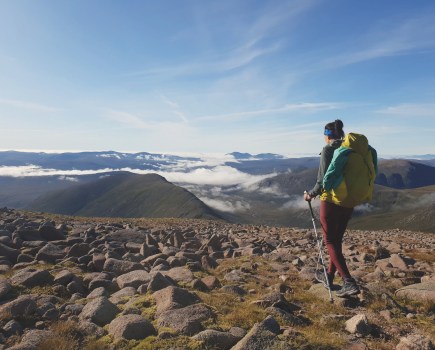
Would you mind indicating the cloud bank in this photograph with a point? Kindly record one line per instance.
(218, 176)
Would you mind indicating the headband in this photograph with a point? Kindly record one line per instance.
(329, 132)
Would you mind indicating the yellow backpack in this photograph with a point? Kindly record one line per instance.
(350, 178)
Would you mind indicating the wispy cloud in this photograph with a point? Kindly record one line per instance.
(274, 16)
(410, 36)
(169, 102)
(237, 58)
(295, 107)
(410, 110)
(175, 107)
(137, 122)
(251, 38)
(128, 119)
(28, 105)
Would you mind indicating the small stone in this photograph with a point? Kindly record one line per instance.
(23, 306)
(187, 320)
(100, 311)
(415, 342)
(157, 282)
(199, 285)
(172, 297)
(208, 262)
(12, 328)
(63, 277)
(122, 295)
(131, 327)
(211, 282)
(50, 253)
(397, 261)
(32, 278)
(386, 314)
(216, 339)
(97, 292)
(233, 290)
(5, 287)
(358, 324)
(133, 279)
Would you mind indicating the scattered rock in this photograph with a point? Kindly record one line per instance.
(172, 297)
(179, 274)
(49, 233)
(33, 338)
(131, 327)
(187, 320)
(358, 324)
(157, 282)
(31, 278)
(397, 261)
(199, 285)
(216, 339)
(115, 263)
(415, 342)
(10, 253)
(133, 279)
(13, 328)
(100, 311)
(262, 336)
(23, 306)
(211, 282)
(121, 296)
(420, 291)
(5, 288)
(79, 249)
(50, 253)
(120, 267)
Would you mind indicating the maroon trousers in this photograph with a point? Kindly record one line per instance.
(334, 221)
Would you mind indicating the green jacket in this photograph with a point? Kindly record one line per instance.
(350, 177)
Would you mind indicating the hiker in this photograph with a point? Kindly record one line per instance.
(345, 179)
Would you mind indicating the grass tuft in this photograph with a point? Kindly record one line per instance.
(231, 311)
(65, 336)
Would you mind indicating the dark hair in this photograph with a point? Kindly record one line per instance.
(337, 127)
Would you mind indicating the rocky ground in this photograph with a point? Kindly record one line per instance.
(72, 283)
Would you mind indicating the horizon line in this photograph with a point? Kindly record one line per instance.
(197, 154)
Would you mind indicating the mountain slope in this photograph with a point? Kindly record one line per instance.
(400, 173)
(18, 192)
(125, 194)
(410, 209)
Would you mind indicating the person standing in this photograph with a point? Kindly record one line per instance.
(345, 179)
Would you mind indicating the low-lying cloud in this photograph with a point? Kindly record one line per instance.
(298, 202)
(68, 178)
(217, 176)
(34, 170)
(226, 206)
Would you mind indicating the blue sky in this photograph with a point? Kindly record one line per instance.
(216, 76)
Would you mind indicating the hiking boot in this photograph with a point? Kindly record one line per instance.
(320, 277)
(349, 288)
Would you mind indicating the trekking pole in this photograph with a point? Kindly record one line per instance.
(319, 245)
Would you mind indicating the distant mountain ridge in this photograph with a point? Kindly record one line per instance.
(124, 194)
(400, 173)
(91, 160)
(249, 156)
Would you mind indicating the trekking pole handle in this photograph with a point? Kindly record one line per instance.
(309, 204)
